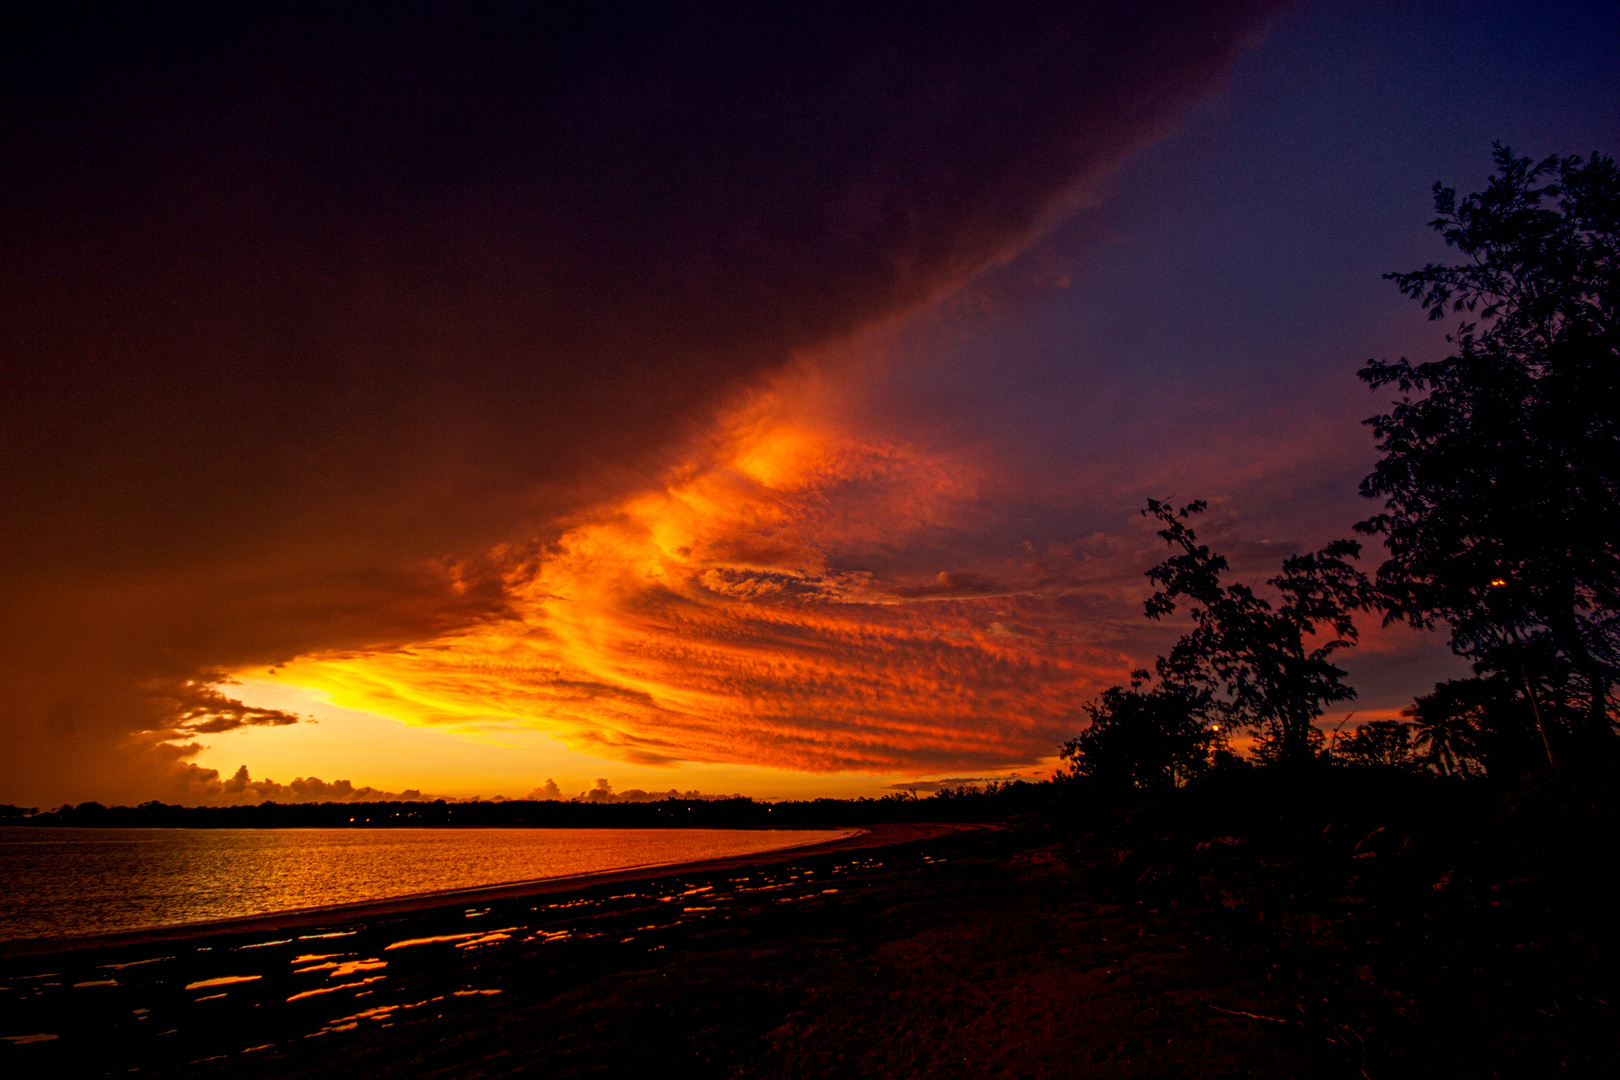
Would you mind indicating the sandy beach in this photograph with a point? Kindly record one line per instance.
(902, 951)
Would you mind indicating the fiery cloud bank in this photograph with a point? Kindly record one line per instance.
(725, 618)
(305, 313)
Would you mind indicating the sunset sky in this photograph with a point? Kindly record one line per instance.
(727, 399)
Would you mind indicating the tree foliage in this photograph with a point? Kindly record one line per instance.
(1381, 744)
(1500, 474)
(1500, 484)
(1248, 663)
(1142, 741)
(1471, 727)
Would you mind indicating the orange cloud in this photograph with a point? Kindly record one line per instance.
(278, 366)
(727, 617)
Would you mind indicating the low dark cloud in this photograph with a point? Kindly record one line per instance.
(952, 583)
(306, 310)
(200, 707)
(602, 792)
(950, 782)
(198, 785)
(546, 791)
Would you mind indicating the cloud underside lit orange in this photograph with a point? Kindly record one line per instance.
(726, 618)
(298, 336)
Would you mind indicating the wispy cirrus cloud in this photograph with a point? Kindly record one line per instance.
(733, 616)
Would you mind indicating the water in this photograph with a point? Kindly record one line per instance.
(56, 882)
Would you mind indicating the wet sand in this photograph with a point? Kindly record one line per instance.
(875, 836)
(931, 952)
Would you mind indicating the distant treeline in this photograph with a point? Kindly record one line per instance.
(992, 802)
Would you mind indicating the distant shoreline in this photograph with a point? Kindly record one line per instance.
(857, 838)
(997, 802)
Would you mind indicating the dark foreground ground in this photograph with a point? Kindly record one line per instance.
(976, 954)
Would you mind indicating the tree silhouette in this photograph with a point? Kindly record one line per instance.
(1500, 473)
(1143, 742)
(1380, 744)
(1466, 727)
(1446, 732)
(1246, 662)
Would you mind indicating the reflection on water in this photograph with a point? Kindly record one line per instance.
(180, 1004)
(84, 881)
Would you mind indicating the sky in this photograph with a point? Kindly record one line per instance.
(719, 398)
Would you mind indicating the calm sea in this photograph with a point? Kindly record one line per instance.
(56, 881)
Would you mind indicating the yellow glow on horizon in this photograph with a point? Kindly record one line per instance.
(373, 750)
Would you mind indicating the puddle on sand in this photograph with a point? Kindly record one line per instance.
(135, 963)
(382, 1013)
(431, 940)
(569, 904)
(223, 980)
(339, 986)
(347, 968)
(493, 937)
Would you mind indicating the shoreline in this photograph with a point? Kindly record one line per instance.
(910, 951)
(859, 838)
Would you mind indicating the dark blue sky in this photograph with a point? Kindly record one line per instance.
(1226, 284)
